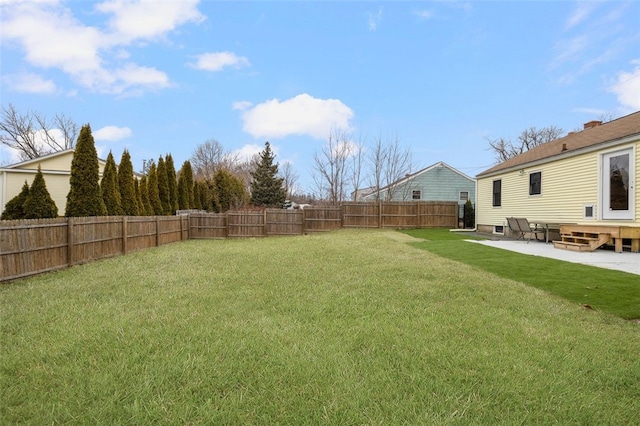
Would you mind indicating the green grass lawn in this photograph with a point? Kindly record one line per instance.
(611, 291)
(347, 327)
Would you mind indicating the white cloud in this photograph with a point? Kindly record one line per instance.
(52, 37)
(375, 19)
(219, 60)
(627, 88)
(30, 83)
(111, 133)
(148, 19)
(301, 115)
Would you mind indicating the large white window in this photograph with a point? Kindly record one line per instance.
(616, 180)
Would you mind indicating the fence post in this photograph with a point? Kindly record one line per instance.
(379, 213)
(70, 241)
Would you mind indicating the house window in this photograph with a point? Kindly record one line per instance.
(416, 194)
(497, 193)
(535, 183)
(464, 196)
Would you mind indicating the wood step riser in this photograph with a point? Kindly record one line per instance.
(582, 241)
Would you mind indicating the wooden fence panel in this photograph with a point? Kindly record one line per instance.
(246, 224)
(284, 222)
(95, 238)
(361, 215)
(435, 214)
(399, 215)
(141, 232)
(32, 246)
(207, 225)
(170, 229)
(322, 219)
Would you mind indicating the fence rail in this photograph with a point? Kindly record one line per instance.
(29, 247)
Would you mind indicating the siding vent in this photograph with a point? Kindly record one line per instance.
(589, 211)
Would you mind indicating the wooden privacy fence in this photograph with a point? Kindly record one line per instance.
(30, 247)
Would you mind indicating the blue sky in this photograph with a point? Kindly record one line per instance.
(160, 76)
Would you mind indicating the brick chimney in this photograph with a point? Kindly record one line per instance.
(591, 124)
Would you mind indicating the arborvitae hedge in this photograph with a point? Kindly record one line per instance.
(185, 187)
(39, 204)
(144, 195)
(173, 184)
(110, 188)
(85, 197)
(154, 195)
(127, 189)
(163, 187)
(14, 209)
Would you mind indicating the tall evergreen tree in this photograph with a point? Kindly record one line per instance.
(173, 183)
(197, 196)
(39, 204)
(110, 188)
(14, 209)
(154, 195)
(127, 189)
(163, 186)
(185, 187)
(229, 191)
(136, 186)
(147, 209)
(85, 197)
(267, 188)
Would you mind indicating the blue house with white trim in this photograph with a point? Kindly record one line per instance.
(438, 182)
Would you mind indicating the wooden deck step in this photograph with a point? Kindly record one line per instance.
(582, 241)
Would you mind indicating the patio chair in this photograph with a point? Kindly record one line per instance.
(526, 228)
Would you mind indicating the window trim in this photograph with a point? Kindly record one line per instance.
(531, 186)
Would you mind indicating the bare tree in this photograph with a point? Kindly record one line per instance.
(377, 159)
(209, 157)
(389, 162)
(357, 163)
(33, 136)
(505, 149)
(398, 165)
(331, 171)
(289, 178)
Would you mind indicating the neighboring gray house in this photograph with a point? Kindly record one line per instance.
(438, 182)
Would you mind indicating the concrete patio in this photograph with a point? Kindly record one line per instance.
(625, 261)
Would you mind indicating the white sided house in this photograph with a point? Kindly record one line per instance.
(584, 185)
(438, 182)
(56, 169)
